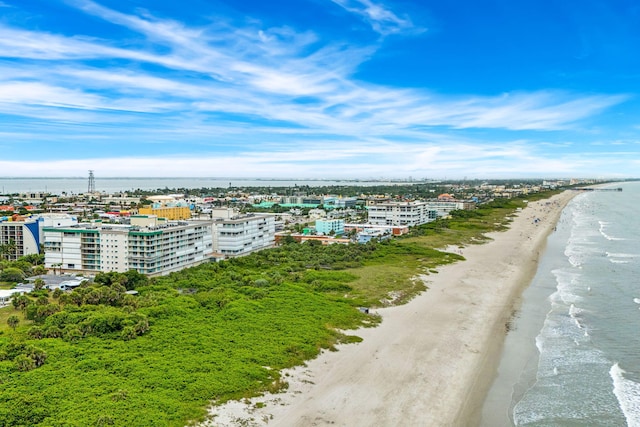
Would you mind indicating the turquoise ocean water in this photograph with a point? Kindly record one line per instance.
(573, 355)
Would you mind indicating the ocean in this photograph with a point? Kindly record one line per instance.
(78, 185)
(572, 356)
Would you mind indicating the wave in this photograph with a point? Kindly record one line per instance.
(628, 394)
(620, 255)
(603, 224)
(620, 258)
(574, 312)
(567, 287)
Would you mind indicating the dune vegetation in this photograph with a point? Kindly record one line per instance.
(219, 331)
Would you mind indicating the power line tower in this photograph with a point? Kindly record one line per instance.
(92, 183)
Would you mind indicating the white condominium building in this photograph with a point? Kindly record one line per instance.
(412, 213)
(149, 246)
(400, 213)
(240, 235)
(443, 207)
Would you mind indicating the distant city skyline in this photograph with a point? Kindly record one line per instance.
(332, 89)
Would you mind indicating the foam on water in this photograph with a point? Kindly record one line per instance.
(582, 332)
(628, 394)
(568, 287)
(620, 255)
(575, 312)
(582, 313)
(603, 225)
(620, 258)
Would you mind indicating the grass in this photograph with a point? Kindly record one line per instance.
(7, 311)
(392, 278)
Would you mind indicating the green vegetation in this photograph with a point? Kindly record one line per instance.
(12, 272)
(100, 356)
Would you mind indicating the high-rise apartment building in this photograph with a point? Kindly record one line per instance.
(238, 235)
(147, 245)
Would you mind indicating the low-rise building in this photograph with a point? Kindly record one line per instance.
(370, 234)
(330, 226)
(395, 230)
(301, 238)
(169, 212)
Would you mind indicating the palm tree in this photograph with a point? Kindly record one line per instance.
(13, 321)
(38, 284)
(7, 249)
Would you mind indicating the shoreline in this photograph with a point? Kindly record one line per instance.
(430, 361)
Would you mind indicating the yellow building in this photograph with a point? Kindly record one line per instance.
(170, 213)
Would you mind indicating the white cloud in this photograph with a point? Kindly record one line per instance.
(219, 85)
(381, 19)
(439, 158)
(261, 73)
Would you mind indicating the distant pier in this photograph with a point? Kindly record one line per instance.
(595, 189)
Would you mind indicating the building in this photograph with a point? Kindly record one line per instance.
(301, 238)
(395, 230)
(415, 212)
(367, 235)
(340, 202)
(121, 199)
(25, 234)
(443, 207)
(168, 212)
(167, 247)
(21, 236)
(148, 245)
(237, 235)
(330, 227)
(401, 213)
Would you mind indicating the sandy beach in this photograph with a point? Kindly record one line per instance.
(431, 361)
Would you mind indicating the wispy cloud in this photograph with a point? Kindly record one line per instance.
(381, 18)
(248, 85)
(440, 158)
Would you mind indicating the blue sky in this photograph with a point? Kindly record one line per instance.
(320, 88)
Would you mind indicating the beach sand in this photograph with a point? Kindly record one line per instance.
(431, 361)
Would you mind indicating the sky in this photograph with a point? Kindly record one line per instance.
(360, 89)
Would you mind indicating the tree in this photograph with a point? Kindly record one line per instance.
(20, 302)
(24, 363)
(11, 274)
(38, 284)
(39, 269)
(54, 266)
(13, 321)
(37, 355)
(7, 249)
